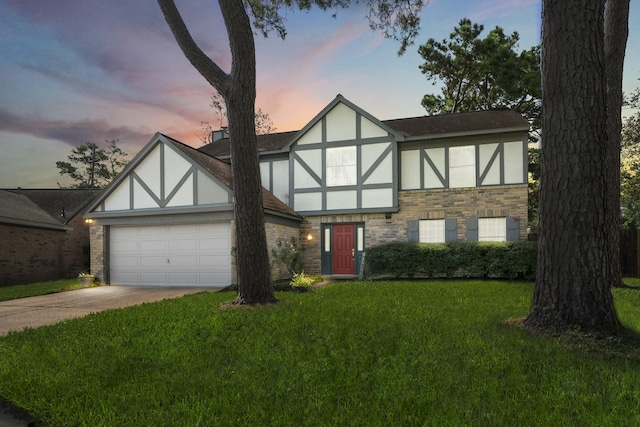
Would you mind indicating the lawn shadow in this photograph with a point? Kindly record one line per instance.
(13, 415)
(623, 344)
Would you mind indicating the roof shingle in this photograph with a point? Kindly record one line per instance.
(54, 200)
(19, 210)
(413, 127)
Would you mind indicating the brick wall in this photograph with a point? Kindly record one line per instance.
(495, 201)
(463, 203)
(29, 255)
(75, 249)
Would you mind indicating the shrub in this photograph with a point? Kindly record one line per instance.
(301, 280)
(507, 260)
(289, 254)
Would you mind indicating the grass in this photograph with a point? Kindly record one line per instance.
(350, 354)
(41, 288)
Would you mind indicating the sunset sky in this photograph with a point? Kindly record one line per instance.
(74, 71)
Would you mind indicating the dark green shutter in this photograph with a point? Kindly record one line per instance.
(472, 229)
(413, 230)
(450, 230)
(513, 228)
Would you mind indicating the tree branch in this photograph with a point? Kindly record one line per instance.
(205, 66)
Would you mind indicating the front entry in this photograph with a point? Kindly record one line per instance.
(343, 249)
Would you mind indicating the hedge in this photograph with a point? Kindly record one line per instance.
(507, 260)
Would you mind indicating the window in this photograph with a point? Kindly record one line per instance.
(492, 229)
(341, 166)
(462, 166)
(432, 231)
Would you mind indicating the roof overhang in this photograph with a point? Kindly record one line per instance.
(34, 224)
(466, 133)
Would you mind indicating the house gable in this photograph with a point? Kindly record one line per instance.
(161, 177)
(343, 161)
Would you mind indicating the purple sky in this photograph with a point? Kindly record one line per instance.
(74, 71)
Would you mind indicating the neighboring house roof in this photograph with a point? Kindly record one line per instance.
(18, 209)
(413, 128)
(62, 204)
(222, 171)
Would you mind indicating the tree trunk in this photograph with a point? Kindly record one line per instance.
(574, 259)
(252, 260)
(238, 88)
(616, 31)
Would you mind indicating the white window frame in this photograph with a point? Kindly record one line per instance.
(432, 231)
(462, 166)
(492, 229)
(341, 166)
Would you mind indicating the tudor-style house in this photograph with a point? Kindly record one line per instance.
(344, 183)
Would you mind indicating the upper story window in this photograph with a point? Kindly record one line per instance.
(341, 166)
(462, 166)
(467, 166)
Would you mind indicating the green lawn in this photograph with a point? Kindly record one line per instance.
(41, 288)
(350, 354)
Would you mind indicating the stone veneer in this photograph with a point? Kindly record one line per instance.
(98, 248)
(274, 233)
(463, 203)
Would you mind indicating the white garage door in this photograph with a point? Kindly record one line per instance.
(171, 255)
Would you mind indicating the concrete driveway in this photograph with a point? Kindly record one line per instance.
(32, 312)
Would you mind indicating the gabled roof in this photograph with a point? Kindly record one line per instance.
(413, 128)
(62, 204)
(222, 171)
(218, 169)
(339, 99)
(266, 143)
(459, 123)
(18, 209)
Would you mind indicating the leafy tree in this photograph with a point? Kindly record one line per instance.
(578, 245)
(533, 187)
(399, 19)
(92, 167)
(629, 175)
(486, 73)
(633, 100)
(482, 74)
(264, 124)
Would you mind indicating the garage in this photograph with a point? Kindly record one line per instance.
(197, 254)
(167, 220)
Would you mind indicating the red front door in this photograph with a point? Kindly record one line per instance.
(343, 249)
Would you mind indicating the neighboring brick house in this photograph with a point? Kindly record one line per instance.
(42, 234)
(344, 183)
